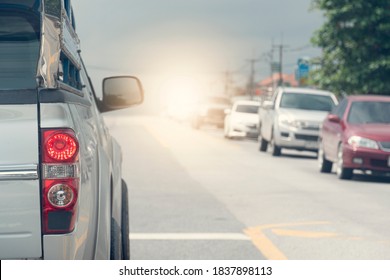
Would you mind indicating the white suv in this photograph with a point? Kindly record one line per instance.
(242, 119)
(292, 119)
(61, 190)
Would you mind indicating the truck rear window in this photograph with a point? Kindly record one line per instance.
(19, 49)
(304, 101)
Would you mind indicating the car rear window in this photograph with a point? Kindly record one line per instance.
(363, 112)
(303, 101)
(250, 109)
(19, 49)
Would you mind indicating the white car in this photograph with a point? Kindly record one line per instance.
(242, 119)
(292, 119)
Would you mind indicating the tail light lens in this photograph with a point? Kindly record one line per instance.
(61, 147)
(60, 195)
(60, 180)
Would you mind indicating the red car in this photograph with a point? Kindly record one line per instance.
(356, 135)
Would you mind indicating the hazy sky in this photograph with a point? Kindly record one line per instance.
(167, 42)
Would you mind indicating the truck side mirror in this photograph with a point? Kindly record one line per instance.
(121, 92)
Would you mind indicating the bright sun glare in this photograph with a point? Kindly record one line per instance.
(181, 95)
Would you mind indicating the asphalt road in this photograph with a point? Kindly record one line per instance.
(195, 195)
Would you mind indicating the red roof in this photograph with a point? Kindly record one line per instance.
(287, 78)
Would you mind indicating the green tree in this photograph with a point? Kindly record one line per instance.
(355, 40)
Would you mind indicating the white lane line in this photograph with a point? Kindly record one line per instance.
(188, 236)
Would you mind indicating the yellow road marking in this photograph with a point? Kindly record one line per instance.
(270, 250)
(266, 247)
(304, 234)
(271, 226)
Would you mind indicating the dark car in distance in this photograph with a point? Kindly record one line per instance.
(356, 135)
(210, 111)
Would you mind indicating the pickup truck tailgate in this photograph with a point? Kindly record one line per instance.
(20, 199)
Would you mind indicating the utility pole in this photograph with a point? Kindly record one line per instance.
(280, 47)
(251, 82)
(270, 60)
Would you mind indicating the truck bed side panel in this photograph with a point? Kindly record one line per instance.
(20, 211)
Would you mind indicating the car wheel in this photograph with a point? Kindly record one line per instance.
(341, 171)
(263, 145)
(324, 165)
(115, 251)
(125, 222)
(275, 149)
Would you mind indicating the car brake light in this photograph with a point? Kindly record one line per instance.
(60, 146)
(60, 180)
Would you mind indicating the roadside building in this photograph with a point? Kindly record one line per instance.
(266, 85)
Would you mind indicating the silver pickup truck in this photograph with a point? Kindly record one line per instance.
(292, 119)
(61, 190)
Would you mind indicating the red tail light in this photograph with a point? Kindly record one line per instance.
(60, 173)
(60, 145)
